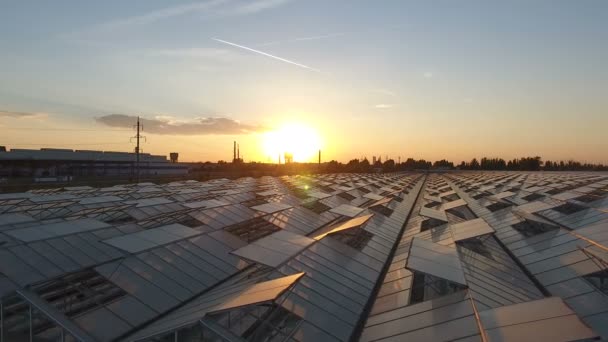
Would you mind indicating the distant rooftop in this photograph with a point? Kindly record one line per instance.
(68, 154)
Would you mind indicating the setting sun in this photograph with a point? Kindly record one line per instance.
(302, 141)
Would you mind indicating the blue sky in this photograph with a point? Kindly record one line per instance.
(429, 79)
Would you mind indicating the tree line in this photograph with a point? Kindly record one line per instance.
(517, 164)
(390, 165)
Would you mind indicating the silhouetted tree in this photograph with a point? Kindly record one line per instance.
(389, 165)
(333, 166)
(474, 165)
(352, 166)
(443, 164)
(365, 165)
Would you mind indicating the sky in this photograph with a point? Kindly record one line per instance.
(423, 79)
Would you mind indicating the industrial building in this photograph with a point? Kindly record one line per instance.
(51, 162)
(470, 256)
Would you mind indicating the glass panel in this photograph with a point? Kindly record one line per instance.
(45, 330)
(569, 208)
(530, 228)
(426, 287)
(477, 246)
(599, 280)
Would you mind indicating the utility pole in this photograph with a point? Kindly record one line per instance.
(137, 137)
(234, 152)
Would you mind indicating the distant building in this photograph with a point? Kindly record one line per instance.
(49, 162)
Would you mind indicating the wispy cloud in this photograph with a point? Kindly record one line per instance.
(320, 37)
(267, 55)
(383, 106)
(200, 59)
(384, 92)
(163, 13)
(213, 7)
(300, 39)
(428, 74)
(192, 52)
(258, 6)
(171, 126)
(22, 115)
(143, 19)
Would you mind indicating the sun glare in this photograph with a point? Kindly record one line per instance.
(301, 141)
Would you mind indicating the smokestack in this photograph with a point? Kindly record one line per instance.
(238, 151)
(234, 152)
(319, 157)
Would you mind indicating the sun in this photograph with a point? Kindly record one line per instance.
(301, 141)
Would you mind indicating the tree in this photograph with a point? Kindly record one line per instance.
(410, 164)
(389, 165)
(443, 164)
(333, 166)
(474, 164)
(352, 166)
(365, 165)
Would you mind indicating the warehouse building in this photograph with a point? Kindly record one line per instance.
(50, 162)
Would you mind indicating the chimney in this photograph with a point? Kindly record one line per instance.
(238, 151)
(234, 152)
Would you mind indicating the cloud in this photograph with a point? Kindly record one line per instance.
(201, 59)
(258, 6)
(331, 35)
(267, 55)
(384, 92)
(169, 125)
(160, 14)
(211, 56)
(221, 7)
(301, 39)
(211, 53)
(87, 35)
(428, 74)
(21, 115)
(383, 106)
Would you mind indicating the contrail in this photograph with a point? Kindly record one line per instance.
(267, 55)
